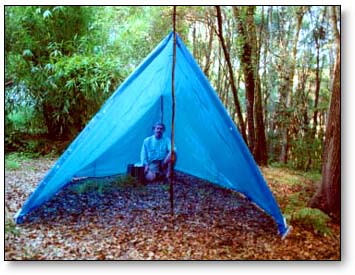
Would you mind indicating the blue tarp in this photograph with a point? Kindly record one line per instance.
(209, 145)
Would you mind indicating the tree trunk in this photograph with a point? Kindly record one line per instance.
(194, 41)
(247, 32)
(316, 97)
(260, 148)
(328, 196)
(318, 34)
(231, 75)
(260, 151)
(208, 51)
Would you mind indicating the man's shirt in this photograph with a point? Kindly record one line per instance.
(154, 149)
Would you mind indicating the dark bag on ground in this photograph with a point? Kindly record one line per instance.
(136, 172)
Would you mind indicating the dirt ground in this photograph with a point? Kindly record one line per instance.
(210, 223)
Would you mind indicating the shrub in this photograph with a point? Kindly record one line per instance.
(13, 161)
(297, 212)
(12, 164)
(313, 217)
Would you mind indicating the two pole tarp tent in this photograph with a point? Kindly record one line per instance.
(208, 143)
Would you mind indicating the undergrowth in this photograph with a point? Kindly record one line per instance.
(295, 188)
(104, 185)
(313, 217)
(298, 213)
(11, 228)
(13, 161)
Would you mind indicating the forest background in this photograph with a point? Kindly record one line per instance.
(271, 66)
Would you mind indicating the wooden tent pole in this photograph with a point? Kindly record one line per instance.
(173, 119)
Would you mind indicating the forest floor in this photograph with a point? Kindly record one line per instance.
(134, 222)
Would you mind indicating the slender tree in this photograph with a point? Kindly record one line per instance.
(328, 196)
(231, 74)
(260, 148)
(249, 55)
(318, 34)
(246, 30)
(208, 62)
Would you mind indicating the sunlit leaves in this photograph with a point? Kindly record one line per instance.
(47, 13)
(44, 36)
(27, 53)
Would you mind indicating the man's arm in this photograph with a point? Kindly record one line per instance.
(144, 155)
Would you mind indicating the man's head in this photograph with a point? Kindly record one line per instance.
(159, 129)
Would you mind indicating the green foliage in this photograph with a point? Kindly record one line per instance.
(23, 119)
(296, 211)
(105, 185)
(32, 145)
(13, 140)
(87, 187)
(79, 86)
(12, 164)
(11, 228)
(314, 176)
(313, 217)
(20, 119)
(277, 164)
(60, 73)
(66, 74)
(126, 181)
(306, 154)
(13, 161)
(300, 188)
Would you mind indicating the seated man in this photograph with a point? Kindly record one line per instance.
(156, 154)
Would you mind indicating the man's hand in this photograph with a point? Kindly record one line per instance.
(172, 156)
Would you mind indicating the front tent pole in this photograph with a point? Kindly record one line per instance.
(172, 120)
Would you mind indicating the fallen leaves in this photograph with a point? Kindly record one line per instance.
(210, 223)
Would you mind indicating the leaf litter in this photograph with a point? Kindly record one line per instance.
(135, 223)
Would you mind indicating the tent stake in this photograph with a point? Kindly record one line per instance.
(172, 120)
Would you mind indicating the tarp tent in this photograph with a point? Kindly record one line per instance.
(208, 143)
